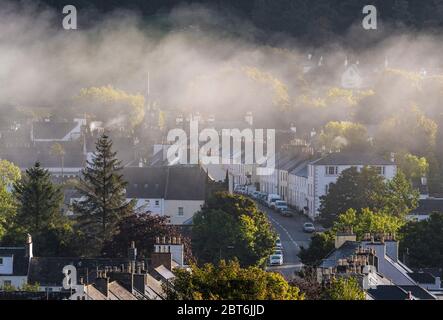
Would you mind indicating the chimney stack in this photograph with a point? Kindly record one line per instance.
(29, 253)
(102, 284)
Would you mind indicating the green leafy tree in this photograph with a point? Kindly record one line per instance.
(229, 281)
(412, 166)
(110, 104)
(339, 135)
(103, 204)
(353, 189)
(366, 188)
(422, 242)
(143, 228)
(321, 245)
(368, 221)
(9, 174)
(344, 289)
(399, 197)
(231, 226)
(410, 130)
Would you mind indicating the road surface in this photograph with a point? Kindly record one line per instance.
(292, 238)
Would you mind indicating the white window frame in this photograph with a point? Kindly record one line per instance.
(328, 171)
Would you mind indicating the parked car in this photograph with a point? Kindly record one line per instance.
(271, 200)
(280, 205)
(308, 227)
(278, 252)
(286, 213)
(278, 244)
(262, 197)
(276, 260)
(255, 194)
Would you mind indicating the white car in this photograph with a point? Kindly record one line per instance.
(278, 244)
(278, 252)
(308, 227)
(276, 260)
(281, 205)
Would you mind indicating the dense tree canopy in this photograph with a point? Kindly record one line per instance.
(231, 226)
(9, 174)
(338, 135)
(116, 107)
(368, 221)
(229, 281)
(353, 189)
(345, 289)
(422, 242)
(321, 244)
(366, 188)
(414, 167)
(143, 229)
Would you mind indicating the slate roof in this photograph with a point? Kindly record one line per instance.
(428, 206)
(346, 250)
(422, 277)
(418, 292)
(169, 182)
(352, 158)
(118, 292)
(186, 183)
(301, 170)
(124, 146)
(388, 292)
(93, 293)
(164, 272)
(52, 129)
(147, 182)
(26, 157)
(20, 262)
(47, 271)
(154, 289)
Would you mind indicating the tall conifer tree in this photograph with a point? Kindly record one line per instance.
(103, 203)
(39, 200)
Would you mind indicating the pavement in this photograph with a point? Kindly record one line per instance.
(292, 238)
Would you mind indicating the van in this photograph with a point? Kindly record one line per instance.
(271, 199)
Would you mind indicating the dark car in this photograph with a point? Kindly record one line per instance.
(287, 213)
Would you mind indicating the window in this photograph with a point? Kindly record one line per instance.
(326, 189)
(180, 211)
(148, 203)
(1, 261)
(380, 170)
(7, 283)
(331, 170)
(157, 203)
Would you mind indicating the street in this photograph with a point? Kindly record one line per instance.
(292, 238)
